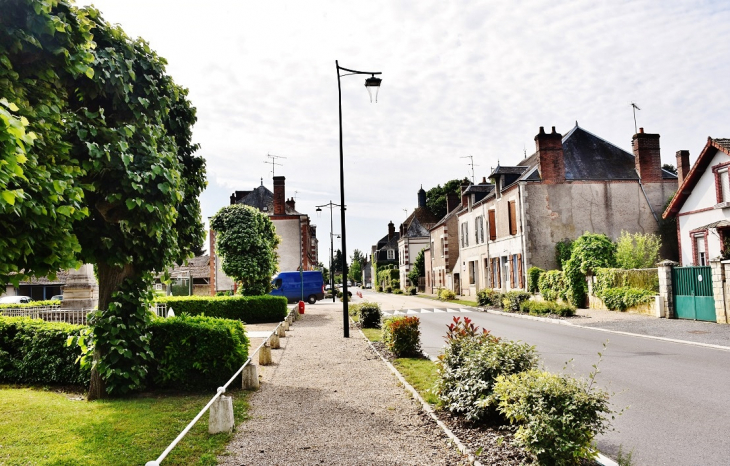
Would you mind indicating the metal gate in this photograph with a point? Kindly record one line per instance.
(693, 293)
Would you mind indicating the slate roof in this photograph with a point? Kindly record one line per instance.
(199, 267)
(425, 218)
(695, 173)
(260, 198)
(61, 278)
(454, 211)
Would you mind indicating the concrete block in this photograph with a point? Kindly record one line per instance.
(250, 377)
(265, 355)
(221, 415)
(281, 332)
(274, 341)
(285, 324)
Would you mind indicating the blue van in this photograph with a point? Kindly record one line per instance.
(295, 286)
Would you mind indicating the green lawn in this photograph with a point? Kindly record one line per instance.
(49, 428)
(421, 374)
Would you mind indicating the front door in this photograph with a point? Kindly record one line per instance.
(693, 297)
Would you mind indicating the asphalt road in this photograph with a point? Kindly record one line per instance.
(674, 396)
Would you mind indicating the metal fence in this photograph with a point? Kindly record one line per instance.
(49, 314)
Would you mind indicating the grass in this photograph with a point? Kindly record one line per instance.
(463, 302)
(51, 428)
(421, 374)
(373, 334)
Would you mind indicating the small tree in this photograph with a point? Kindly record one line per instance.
(355, 271)
(246, 241)
(418, 270)
(590, 252)
(638, 250)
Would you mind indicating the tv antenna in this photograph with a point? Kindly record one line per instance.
(471, 164)
(635, 108)
(273, 162)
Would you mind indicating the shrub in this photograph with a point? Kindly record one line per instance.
(395, 283)
(248, 309)
(32, 304)
(378, 288)
(446, 295)
(398, 291)
(590, 252)
(620, 299)
(489, 297)
(469, 368)
(638, 250)
(388, 289)
(196, 351)
(402, 336)
(369, 315)
(34, 351)
(537, 308)
(533, 275)
(563, 250)
(647, 279)
(511, 300)
(552, 285)
(558, 416)
(354, 309)
(413, 290)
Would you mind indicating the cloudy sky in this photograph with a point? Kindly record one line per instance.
(460, 78)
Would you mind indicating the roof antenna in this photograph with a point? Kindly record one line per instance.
(273, 162)
(635, 108)
(295, 195)
(471, 163)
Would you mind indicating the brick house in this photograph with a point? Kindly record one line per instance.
(571, 184)
(702, 204)
(384, 252)
(414, 237)
(299, 246)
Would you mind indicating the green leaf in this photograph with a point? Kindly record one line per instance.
(90, 72)
(9, 197)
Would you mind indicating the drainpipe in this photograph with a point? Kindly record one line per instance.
(524, 233)
(648, 202)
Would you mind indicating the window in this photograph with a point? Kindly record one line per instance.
(472, 272)
(464, 234)
(443, 246)
(479, 229)
(492, 225)
(433, 251)
(723, 188)
(158, 286)
(699, 249)
(512, 214)
(391, 254)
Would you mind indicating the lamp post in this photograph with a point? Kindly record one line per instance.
(371, 84)
(332, 248)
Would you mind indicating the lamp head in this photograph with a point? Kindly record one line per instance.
(373, 86)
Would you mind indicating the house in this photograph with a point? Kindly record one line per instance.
(571, 184)
(385, 251)
(194, 275)
(702, 204)
(299, 247)
(414, 237)
(443, 254)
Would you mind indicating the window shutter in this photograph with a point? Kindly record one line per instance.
(519, 268)
(512, 218)
(512, 272)
(492, 226)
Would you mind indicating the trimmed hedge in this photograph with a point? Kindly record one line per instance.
(620, 299)
(369, 315)
(46, 303)
(401, 335)
(552, 285)
(247, 309)
(196, 351)
(34, 351)
(537, 308)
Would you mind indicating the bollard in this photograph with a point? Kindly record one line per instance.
(285, 324)
(250, 377)
(265, 355)
(280, 331)
(221, 415)
(274, 341)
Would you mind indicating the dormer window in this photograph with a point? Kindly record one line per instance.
(266, 208)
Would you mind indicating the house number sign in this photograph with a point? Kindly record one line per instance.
(699, 278)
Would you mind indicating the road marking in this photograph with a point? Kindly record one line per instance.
(398, 313)
(438, 310)
(411, 311)
(425, 311)
(465, 310)
(453, 311)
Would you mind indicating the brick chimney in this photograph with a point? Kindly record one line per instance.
(391, 230)
(464, 198)
(682, 165)
(279, 195)
(550, 158)
(452, 200)
(290, 203)
(647, 156)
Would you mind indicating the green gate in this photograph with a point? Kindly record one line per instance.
(693, 293)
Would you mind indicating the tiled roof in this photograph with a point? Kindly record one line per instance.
(61, 278)
(424, 216)
(199, 267)
(508, 170)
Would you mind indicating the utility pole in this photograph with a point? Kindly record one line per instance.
(273, 162)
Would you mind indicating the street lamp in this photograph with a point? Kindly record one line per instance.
(332, 249)
(373, 85)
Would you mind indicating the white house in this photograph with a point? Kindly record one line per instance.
(702, 204)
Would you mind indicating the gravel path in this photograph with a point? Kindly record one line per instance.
(330, 400)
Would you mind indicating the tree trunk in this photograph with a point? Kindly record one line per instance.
(110, 278)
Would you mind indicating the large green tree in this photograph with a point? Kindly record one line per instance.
(246, 241)
(418, 270)
(436, 197)
(121, 150)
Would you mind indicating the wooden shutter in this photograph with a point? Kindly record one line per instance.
(511, 272)
(519, 267)
(512, 218)
(492, 226)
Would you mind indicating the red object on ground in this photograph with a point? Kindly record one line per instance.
(301, 307)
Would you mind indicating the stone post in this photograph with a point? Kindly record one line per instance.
(274, 341)
(719, 268)
(281, 332)
(81, 290)
(265, 355)
(250, 377)
(664, 269)
(221, 415)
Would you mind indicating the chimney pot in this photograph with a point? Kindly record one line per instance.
(641, 130)
(553, 130)
(542, 130)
